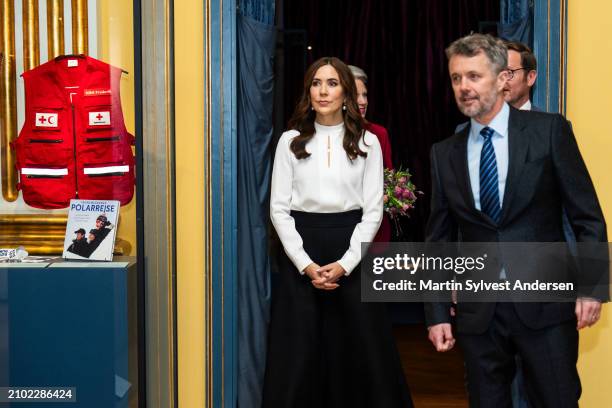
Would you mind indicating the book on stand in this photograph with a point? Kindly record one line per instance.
(91, 230)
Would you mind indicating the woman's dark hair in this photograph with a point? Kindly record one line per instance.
(303, 117)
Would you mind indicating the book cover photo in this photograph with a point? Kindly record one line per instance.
(91, 230)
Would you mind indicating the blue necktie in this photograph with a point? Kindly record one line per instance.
(489, 187)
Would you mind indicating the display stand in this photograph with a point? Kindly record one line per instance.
(71, 324)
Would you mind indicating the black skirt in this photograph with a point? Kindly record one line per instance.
(327, 348)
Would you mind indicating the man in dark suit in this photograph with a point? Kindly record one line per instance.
(506, 178)
(522, 74)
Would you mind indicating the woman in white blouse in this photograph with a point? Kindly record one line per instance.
(326, 348)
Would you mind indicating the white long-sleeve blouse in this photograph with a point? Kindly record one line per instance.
(326, 182)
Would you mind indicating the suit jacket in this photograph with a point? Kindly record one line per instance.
(567, 228)
(546, 173)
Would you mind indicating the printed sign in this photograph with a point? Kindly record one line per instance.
(97, 92)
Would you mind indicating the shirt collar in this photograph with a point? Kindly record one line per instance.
(526, 105)
(499, 124)
(328, 129)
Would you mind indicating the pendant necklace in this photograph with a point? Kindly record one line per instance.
(328, 152)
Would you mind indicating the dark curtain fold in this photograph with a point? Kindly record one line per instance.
(400, 44)
(256, 42)
(516, 21)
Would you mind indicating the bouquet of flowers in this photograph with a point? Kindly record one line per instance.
(400, 194)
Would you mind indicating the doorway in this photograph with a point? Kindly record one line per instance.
(400, 45)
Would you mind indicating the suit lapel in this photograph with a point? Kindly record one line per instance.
(460, 167)
(518, 145)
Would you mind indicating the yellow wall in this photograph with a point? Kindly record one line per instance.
(189, 111)
(116, 47)
(589, 107)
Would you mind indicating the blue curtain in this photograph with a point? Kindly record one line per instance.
(259, 10)
(255, 70)
(516, 21)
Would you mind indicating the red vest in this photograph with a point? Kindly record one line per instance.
(74, 143)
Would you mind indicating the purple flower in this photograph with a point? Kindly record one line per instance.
(406, 193)
(411, 196)
(398, 191)
(405, 207)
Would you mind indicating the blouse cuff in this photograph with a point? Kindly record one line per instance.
(347, 265)
(301, 262)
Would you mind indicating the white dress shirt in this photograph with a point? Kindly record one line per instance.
(526, 106)
(500, 144)
(325, 183)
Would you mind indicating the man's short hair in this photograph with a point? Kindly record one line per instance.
(471, 45)
(528, 60)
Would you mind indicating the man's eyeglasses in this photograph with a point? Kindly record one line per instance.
(512, 71)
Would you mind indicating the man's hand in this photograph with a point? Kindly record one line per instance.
(313, 271)
(441, 336)
(588, 312)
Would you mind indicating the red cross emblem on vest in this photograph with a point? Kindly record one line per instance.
(101, 118)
